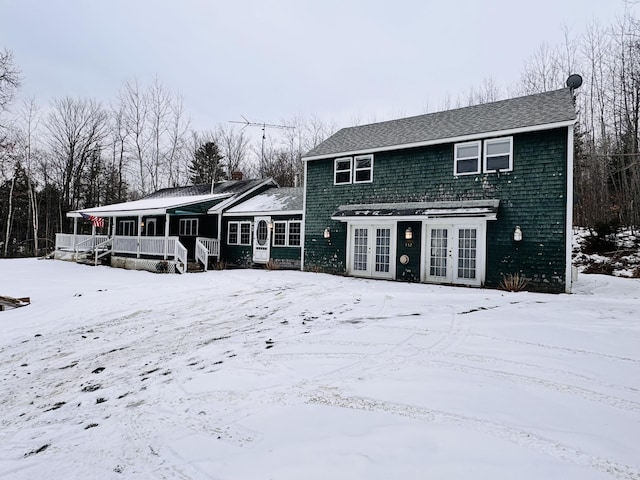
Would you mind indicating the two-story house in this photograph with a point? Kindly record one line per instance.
(464, 196)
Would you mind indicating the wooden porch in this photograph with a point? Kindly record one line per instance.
(93, 248)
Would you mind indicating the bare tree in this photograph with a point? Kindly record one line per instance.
(76, 130)
(30, 118)
(156, 129)
(234, 146)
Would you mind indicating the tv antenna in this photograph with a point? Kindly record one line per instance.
(264, 126)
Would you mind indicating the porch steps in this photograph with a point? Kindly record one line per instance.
(193, 267)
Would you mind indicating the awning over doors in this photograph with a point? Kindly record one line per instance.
(487, 209)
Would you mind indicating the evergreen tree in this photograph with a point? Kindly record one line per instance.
(206, 166)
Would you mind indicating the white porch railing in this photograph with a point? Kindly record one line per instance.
(165, 247)
(205, 248)
(88, 244)
(181, 257)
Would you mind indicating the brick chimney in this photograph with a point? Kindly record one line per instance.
(236, 175)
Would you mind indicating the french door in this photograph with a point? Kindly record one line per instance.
(372, 251)
(454, 254)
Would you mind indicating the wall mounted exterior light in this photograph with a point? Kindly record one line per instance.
(408, 234)
(327, 233)
(517, 234)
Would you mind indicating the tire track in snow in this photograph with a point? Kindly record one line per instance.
(523, 438)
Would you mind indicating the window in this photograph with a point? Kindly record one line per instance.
(126, 228)
(287, 234)
(498, 154)
(279, 234)
(295, 229)
(363, 169)
(467, 158)
(232, 233)
(239, 233)
(245, 233)
(342, 171)
(188, 227)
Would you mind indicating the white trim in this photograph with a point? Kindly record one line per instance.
(287, 233)
(336, 171)
(485, 154)
(146, 207)
(371, 245)
(259, 214)
(239, 233)
(569, 219)
(439, 141)
(457, 146)
(120, 228)
(481, 247)
(304, 215)
(356, 169)
(183, 221)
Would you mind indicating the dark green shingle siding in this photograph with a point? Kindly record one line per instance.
(531, 196)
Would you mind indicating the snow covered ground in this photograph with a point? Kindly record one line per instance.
(250, 374)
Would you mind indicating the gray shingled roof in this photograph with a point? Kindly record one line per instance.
(231, 186)
(533, 110)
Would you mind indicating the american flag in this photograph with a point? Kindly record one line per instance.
(95, 221)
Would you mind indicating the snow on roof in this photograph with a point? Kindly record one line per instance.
(146, 206)
(273, 200)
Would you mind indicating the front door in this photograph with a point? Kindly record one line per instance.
(453, 254)
(372, 251)
(261, 239)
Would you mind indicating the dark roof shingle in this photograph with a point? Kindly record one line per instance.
(529, 111)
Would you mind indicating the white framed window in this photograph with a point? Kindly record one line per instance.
(188, 227)
(498, 154)
(245, 233)
(279, 234)
(363, 169)
(342, 171)
(232, 233)
(127, 228)
(239, 233)
(295, 231)
(287, 233)
(466, 158)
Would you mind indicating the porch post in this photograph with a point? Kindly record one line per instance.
(166, 234)
(139, 234)
(75, 231)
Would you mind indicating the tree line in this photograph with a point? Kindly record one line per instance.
(81, 153)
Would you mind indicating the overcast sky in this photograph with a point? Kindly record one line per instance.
(337, 60)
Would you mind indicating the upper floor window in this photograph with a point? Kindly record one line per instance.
(498, 154)
(358, 169)
(467, 158)
(188, 227)
(363, 169)
(342, 170)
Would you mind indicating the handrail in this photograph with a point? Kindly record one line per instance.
(202, 254)
(90, 243)
(181, 257)
(104, 245)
